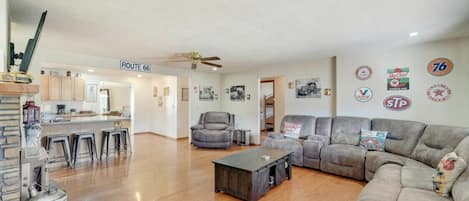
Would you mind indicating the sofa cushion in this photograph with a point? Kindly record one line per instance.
(346, 130)
(292, 129)
(385, 186)
(459, 191)
(373, 140)
(344, 160)
(413, 194)
(437, 141)
(215, 126)
(324, 126)
(217, 117)
(402, 135)
(307, 122)
(205, 135)
(375, 159)
(417, 177)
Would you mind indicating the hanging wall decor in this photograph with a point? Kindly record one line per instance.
(398, 79)
(206, 93)
(91, 92)
(308, 88)
(238, 93)
(328, 92)
(363, 94)
(440, 67)
(397, 103)
(363, 72)
(439, 92)
(291, 85)
(166, 91)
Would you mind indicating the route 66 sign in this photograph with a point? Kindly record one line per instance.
(397, 103)
(440, 67)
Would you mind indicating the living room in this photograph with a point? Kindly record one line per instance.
(369, 100)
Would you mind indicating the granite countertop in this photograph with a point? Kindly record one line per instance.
(91, 119)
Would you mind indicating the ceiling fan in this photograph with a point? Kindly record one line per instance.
(195, 58)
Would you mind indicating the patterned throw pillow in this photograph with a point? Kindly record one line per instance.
(292, 130)
(373, 140)
(447, 172)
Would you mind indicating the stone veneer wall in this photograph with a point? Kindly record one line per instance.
(9, 148)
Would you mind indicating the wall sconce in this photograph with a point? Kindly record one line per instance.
(327, 92)
(291, 85)
(248, 96)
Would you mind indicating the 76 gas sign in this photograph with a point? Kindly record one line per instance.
(397, 103)
(440, 67)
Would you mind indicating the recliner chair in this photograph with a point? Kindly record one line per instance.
(214, 130)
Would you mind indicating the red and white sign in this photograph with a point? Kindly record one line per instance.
(363, 94)
(440, 67)
(397, 103)
(439, 92)
(363, 72)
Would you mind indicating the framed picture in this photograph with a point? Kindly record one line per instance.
(237, 93)
(185, 94)
(308, 88)
(91, 92)
(166, 91)
(206, 93)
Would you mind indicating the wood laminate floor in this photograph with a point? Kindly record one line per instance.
(172, 170)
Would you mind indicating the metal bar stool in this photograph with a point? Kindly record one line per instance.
(125, 135)
(90, 139)
(64, 141)
(107, 134)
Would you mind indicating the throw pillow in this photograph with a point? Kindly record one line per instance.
(373, 140)
(292, 130)
(449, 169)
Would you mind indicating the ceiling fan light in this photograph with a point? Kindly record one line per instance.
(214, 68)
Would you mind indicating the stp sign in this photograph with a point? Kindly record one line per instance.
(397, 103)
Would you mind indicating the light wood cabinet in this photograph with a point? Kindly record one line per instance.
(79, 89)
(60, 88)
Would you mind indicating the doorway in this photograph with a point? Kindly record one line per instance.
(267, 105)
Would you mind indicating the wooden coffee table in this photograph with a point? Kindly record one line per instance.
(248, 176)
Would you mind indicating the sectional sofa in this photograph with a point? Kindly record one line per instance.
(403, 172)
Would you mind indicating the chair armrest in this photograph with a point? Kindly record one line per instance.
(197, 127)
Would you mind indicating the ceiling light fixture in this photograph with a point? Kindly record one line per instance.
(214, 68)
(90, 70)
(413, 34)
(139, 75)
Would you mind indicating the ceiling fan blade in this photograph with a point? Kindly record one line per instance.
(211, 64)
(210, 58)
(177, 60)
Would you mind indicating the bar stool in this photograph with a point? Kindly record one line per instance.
(107, 134)
(126, 139)
(64, 141)
(90, 139)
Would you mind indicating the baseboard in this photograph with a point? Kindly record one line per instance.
(165, 136)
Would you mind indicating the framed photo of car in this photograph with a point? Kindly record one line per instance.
(308, 88)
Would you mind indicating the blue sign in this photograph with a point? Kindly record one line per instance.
(127, 65)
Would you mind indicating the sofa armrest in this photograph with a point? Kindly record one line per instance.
(197, 127)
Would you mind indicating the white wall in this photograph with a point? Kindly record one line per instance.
(183, 109)
(119, 97)
(4, 35)
(452, 112)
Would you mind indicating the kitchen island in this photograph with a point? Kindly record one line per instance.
(95, 124)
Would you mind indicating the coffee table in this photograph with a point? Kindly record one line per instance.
(248, 176)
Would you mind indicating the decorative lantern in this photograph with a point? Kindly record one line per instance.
(31, 113)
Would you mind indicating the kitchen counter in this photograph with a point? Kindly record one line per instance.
(87, 119)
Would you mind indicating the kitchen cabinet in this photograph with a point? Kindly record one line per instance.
(61, 88)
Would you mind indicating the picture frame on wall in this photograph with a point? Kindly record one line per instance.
(91, 92)
(237, 93)
(185, 94)
(308, 88)
(206, 93)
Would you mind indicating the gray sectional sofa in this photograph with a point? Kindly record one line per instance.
(402, 173)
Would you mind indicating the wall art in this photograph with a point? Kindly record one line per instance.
(91, 92)
(439, 92)
(397, 103)
(363, 94)
(440, 67)
(206, 93)
(237, 93)
(363, 72)
(308, 88)
(166, 91)
(327, 92)
(291, 85)
(185, 94)
(398, 79)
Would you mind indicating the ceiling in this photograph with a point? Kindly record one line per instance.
(244, 33)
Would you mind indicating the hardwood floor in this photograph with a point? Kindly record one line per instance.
(172, 170)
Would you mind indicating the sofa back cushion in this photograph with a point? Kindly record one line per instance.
(323, 126)
(346, 130)
(436, 142)
(217, 118)
(402, 135)
(459, 191)
(307, 122)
